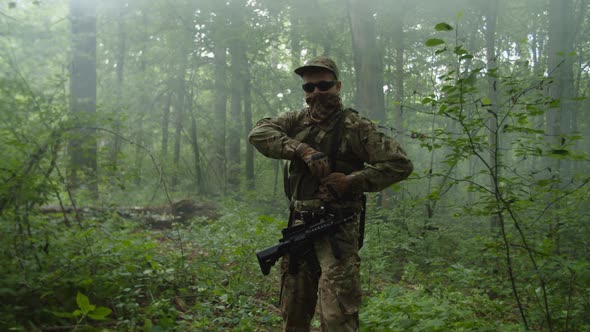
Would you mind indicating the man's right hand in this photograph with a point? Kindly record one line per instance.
(316, 161)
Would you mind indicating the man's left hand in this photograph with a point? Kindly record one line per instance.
(334, 186)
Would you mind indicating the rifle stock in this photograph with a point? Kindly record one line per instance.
(267, 258)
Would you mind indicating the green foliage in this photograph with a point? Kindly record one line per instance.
(202, 275)
(418, 309)
(441, 243)
(434, 42)
(85, 309)
(443, 27)
(518, 201)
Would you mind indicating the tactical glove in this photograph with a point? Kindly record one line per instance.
(316, 161)
(334, 186)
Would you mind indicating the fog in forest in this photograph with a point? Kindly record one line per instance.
(131, 199)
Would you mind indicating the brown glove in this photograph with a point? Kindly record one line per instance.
(317, 161)
(335, 186)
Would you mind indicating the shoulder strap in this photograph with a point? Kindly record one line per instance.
(336, 137)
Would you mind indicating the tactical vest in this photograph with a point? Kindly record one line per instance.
(299, 183)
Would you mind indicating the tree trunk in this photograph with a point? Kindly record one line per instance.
(179, 118)
(145, 109)
(121, 50)
(398, 41)
(234, 129)
(250, 178)
(199, 182)
(166, 125)
(368, 62)
(539, 36)
(83, 143)
(220, 112)
(560, 67)
(493, 136)
(139, 153)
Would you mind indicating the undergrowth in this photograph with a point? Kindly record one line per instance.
(203, 275)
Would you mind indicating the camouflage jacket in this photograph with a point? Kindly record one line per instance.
(376, 160)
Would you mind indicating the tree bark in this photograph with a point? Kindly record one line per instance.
(199, 181)
(558, 118)
(398, 41)
(83, 143)
(220, 112)
(234, 129)
(248, 124)
(493, 109)
(179, 118)
(368, 62)
(166, 125)
(145, 109)
(121, 50)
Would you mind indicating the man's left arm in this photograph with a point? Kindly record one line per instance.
(386, 162)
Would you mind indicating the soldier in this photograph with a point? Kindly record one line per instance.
(335, 156)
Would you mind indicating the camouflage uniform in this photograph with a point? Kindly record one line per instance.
(377, 161)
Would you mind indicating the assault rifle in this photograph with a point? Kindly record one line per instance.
(296, 239)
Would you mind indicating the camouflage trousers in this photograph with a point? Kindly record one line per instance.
(338, 285)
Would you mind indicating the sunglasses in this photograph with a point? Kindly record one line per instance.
(322, 86)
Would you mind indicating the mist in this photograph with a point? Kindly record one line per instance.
(126, 175)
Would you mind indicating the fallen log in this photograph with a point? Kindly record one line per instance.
(157, 217)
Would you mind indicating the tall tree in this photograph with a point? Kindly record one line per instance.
(248, 124)
(237, 51)
(199, 179)
(220, 106)
(368, 59)
(120, 70)
(179, 118)
(398, 42)
(83, 143)
(166, 124)
(561, 89)
(493, 109)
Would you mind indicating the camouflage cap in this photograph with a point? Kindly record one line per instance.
(320, 62)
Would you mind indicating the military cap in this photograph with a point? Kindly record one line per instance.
(320, 62)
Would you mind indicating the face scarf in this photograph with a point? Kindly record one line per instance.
(322, 105)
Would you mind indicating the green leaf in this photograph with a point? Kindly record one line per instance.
(443, 27)
(426, 100)
(560, 152)
(83, 303)
(460, 50)
(485, 101)
(434, 42)
(440, 51)
(100, 313)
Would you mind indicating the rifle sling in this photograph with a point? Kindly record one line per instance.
(362, 221)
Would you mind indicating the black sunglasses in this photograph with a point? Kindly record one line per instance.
(322, 85)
